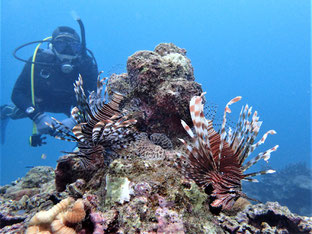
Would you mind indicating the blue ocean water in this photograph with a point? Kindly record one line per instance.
(256, 49)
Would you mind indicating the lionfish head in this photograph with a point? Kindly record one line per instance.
(215, 160)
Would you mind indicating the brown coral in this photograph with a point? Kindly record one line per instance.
(49, 215)
(56, 219)
(77, 213)
(160, 83)
(145, 149)
(59, 227)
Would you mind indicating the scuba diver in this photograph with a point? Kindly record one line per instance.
(46, 83)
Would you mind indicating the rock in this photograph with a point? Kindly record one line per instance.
(158, 87)
(266, 218)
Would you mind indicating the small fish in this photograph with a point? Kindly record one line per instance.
(29, 166)
(43, 156)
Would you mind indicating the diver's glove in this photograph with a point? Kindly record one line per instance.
(37, 140)
(42, 128)
(69, 122)
(65, 126)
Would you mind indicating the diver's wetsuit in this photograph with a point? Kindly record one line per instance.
(54, 90)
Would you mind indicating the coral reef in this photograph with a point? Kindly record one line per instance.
(31, 184)
(103, 221)
(59, 219)
(162, 140)
(159, 85)
(144, 148)
(266, 218)
(123, 177)
(17, 203)
(158, 199)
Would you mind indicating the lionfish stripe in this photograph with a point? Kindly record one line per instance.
(77, 131)
(99, 84)
(225, 201)
(204, 132)
(259, 173)
(105, 112)
(97, 130)
(262, 140)
(251, 180)
(64, 139)
(265, 156)
(216, 158)
(187, 129)
(126, 123)
(223, 133)
(196, 108)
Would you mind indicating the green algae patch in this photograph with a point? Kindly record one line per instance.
(196, 197)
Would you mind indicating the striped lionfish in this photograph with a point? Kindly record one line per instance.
(101, 126)
(214, 160)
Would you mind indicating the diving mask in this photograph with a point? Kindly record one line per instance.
(66, 45)
(67, 50)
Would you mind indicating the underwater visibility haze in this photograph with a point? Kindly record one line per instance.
(259, 50)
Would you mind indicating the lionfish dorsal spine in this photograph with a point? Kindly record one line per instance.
(96, 131)
(223, 132)
(77, 131)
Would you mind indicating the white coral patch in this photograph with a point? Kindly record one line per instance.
(125, 191)
(118, 189)
(176, 58)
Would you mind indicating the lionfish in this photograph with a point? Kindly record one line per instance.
(101, 127)
(214, 160)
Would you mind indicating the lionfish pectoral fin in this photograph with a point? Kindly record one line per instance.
(264, 155)
(243, 195)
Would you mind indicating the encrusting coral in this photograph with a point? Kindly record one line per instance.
(158, 87)
(56, 219)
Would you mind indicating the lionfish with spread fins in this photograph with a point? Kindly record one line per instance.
(214, 160)
(101, 126)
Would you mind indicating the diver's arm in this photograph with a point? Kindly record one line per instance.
(21, 95)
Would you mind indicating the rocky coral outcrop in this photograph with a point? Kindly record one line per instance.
(136, 195)
(141, 190)
(158, 86)
(23, 198)
(266, 218)
(35, 181)
(150, 196)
